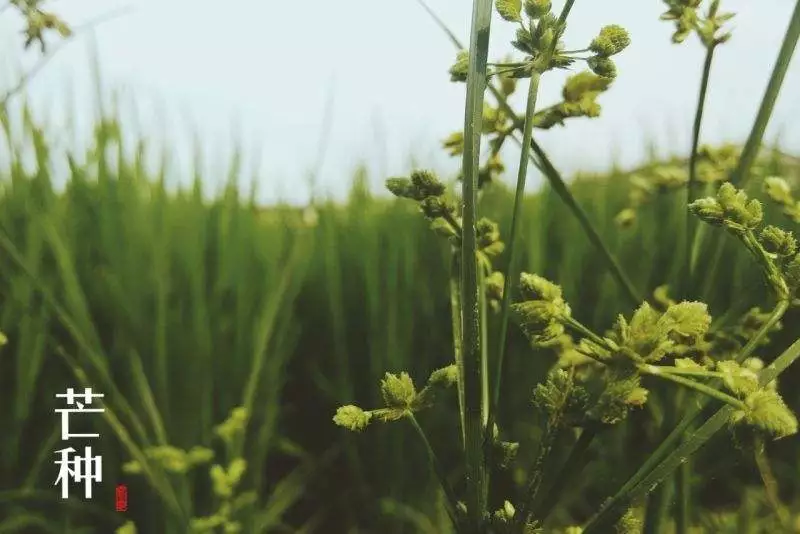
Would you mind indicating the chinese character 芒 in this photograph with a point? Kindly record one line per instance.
(87, 396)
(86, 469)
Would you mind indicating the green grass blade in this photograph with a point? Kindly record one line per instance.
(473, 122)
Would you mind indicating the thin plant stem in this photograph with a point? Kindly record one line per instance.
(691, 187)
(512, 243)
(536, 474)
(697, 386)
(667, 449)
(471, 344)
(742, 172)
(436, 466)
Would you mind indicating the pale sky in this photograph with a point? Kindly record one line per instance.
(275, 73)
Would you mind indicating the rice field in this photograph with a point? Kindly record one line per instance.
(181, 309)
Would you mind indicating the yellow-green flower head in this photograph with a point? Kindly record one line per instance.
(236, 469)
(398, 390)
(427, 183)
(459, 70)
(535, 287)
(708, 210)
(169, 457)
(738, 208)
(454, 144)
(435, 207)
(200, 455)
(128, 528)
(629, 523)
(444, 377)
(612, 39)
(767, 411)
(494, 285)
(219, 480)
(536, 9)
(352, 418)
(602, 66)
(779, 242)
(400, 187)
(778, 190)
(487, 231)
(132, 468)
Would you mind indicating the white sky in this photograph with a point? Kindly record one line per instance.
(271, 72)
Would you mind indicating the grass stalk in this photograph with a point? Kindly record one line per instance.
(471, 344)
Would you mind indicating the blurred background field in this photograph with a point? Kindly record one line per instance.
(180, 309)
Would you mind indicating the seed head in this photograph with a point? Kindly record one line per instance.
(708, 210)
(778, 190)
(602, 66)
(458, 72)
(352, 418)
(400, 187)
(534, 287)
(536, 9)
(398, 391)
(612, 40)
(444, 377)
(427, 183)
(778, 241)
(435, 207)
